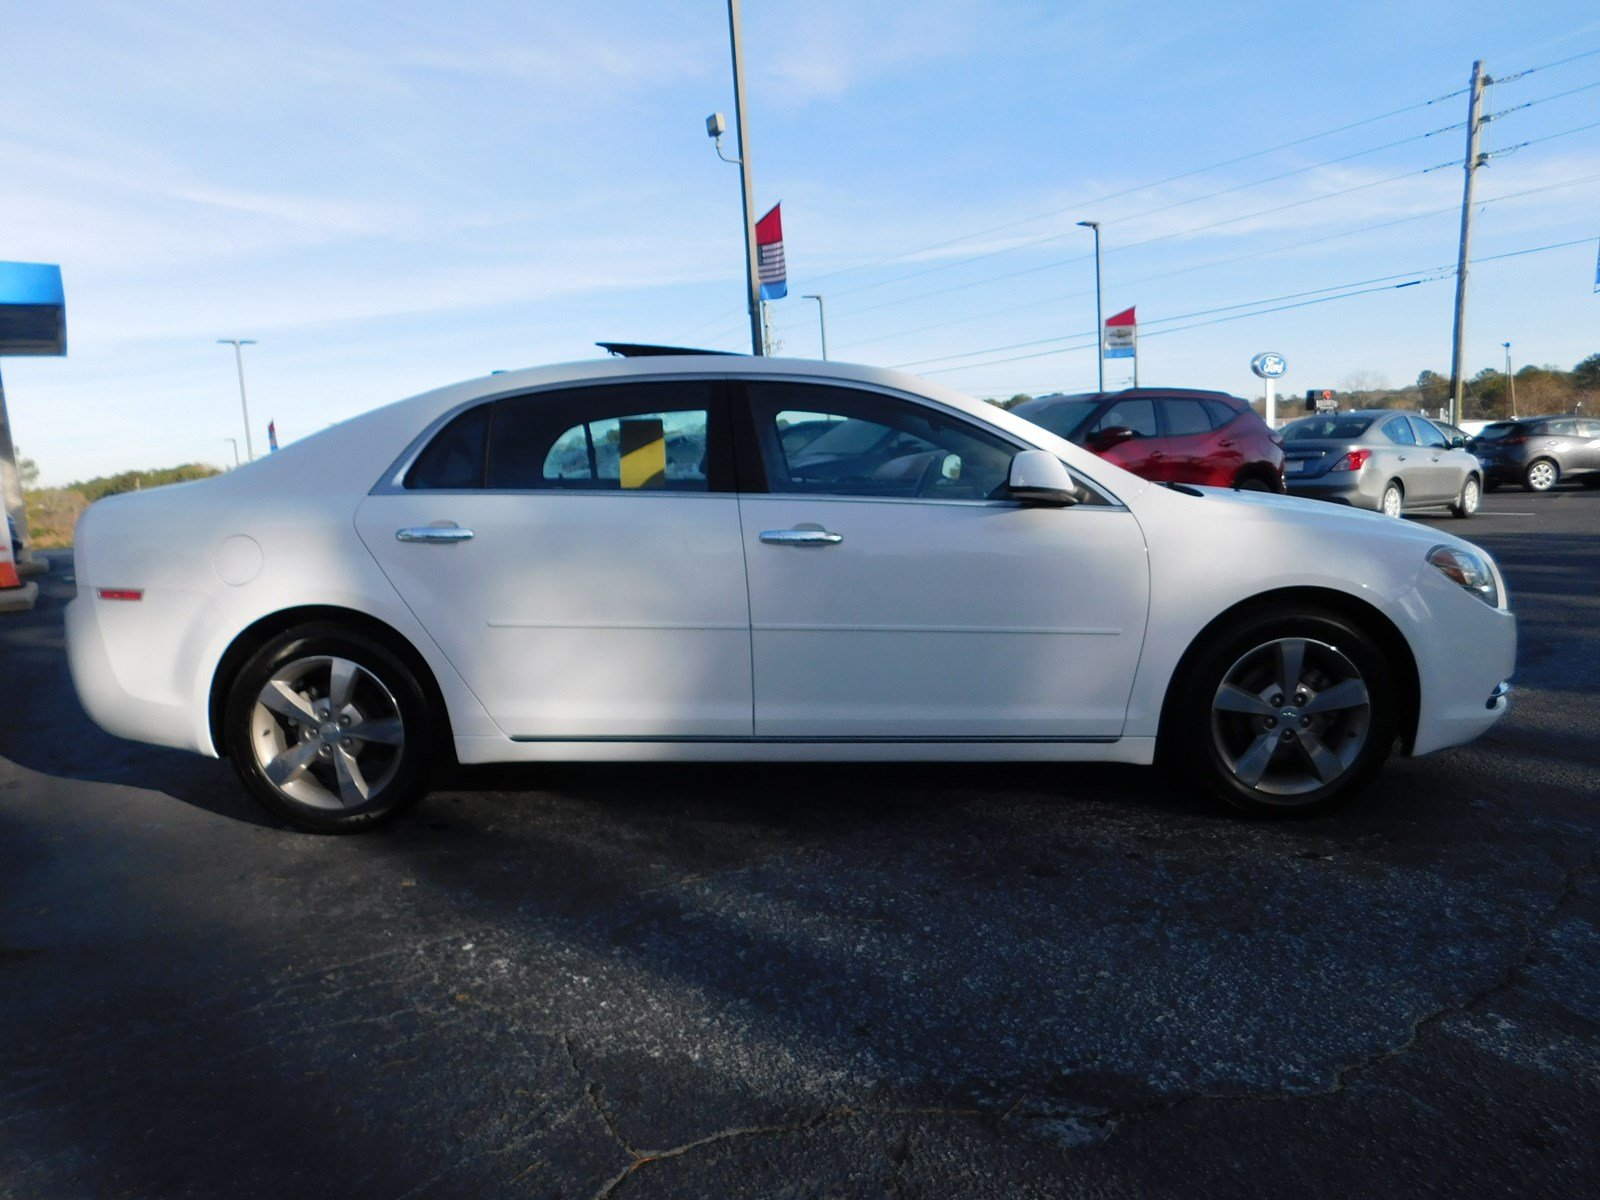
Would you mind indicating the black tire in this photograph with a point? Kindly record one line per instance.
(334, 781)
(1540, 475)
(1393, 486)
(1213, 747)
(1253, 483)
(1466, 504)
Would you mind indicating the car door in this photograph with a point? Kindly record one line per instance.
(1404, 458)
(1144, 453)
(896, 593)
(576, 554)
(1197, 451)
(1443, 469)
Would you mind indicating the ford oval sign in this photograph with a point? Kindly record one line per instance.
(1268, 365)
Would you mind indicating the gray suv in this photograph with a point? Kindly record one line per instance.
(1538, 452)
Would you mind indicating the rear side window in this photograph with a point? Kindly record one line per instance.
(454, 460)
(1219, 412)
(1398, 431)
(1429, 436)
(1560, 429)
(1186, 418)
(1137, 415)
(633, 437)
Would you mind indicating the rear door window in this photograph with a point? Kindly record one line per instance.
(1398, 431)
(1186, 418)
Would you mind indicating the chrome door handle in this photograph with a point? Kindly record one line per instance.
(800, 537)
(436, 534)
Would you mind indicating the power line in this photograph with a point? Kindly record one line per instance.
(1344, 295)
(1230, 259)
(1547, 138)
(1300, 141)
(1495, 116)
(1560, 62)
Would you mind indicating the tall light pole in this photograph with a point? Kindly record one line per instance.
(244, 402)
(1099, 316)
(234, 442)
(1511, 381)
(747, 186)
(822, 323)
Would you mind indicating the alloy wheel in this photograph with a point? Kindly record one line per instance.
(327, 732)
(1290, 718)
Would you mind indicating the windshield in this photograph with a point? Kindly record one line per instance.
(1061, 419)
(1499, 429)
(1337, 428)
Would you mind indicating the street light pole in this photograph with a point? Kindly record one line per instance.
(751, 269)
(244, 402)
(822, 323)
(1511, 381)
(234, 442)
(1099, 316)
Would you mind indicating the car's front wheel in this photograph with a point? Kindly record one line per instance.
(329, 729)
(1285, 713)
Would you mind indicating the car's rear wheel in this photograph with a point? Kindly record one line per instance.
(1252, 483)
(1541, 475)
(1394, 499)
(329, 729)
(1285, 713)
(1467, 502)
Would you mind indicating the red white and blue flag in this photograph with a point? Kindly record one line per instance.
(272, 435)
(770, 266)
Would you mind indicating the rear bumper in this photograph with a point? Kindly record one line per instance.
(1361, 489)
(139, 695)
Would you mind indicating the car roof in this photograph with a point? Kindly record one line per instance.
(1138, 393)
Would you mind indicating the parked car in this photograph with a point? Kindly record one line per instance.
(1168, 435)
(1539, 452)
(517, 569)
(1384, 460)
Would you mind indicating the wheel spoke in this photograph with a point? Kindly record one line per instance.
(341, 682)
(1252, 764)
(1236, 699)
(286, 702)
(387, 731)
(1291, 660)
(291, 764)
(1323, 761)
(353, 787)
(1347, 693)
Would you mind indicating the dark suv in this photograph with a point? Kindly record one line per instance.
(1538, 452)
(1175, 435)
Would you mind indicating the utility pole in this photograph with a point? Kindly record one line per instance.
(822, 322)
(751, 270)
(1099, 317)
(244, 403)
(1471, 165)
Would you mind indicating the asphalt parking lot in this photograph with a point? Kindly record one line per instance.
(802, 982)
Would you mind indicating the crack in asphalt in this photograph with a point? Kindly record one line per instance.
(592, 1092)
(1103, 1123)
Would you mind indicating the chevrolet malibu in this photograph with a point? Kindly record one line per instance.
(699, 558)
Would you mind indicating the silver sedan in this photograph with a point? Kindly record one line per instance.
(1384, 460)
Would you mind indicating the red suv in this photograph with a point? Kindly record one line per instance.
(1174, 435)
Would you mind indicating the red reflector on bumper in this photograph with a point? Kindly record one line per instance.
(121, 593)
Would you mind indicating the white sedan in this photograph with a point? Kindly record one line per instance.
(704, 558)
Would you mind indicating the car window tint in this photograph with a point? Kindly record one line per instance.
(1341, 428)
(864, 444)
(1137, 415)
(1185, 418)
(1061, 419)
(1219, 412)
(1429, 436)
(1500, 429)
(455, 458)
(622, 438)
(1560, 429)
(1398, 431)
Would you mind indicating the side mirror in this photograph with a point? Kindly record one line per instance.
(1460, 443)
(1111, 435)
(1037, 477)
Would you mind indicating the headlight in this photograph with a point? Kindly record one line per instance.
(1471, 571)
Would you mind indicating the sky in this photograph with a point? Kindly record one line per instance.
(390, 197)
